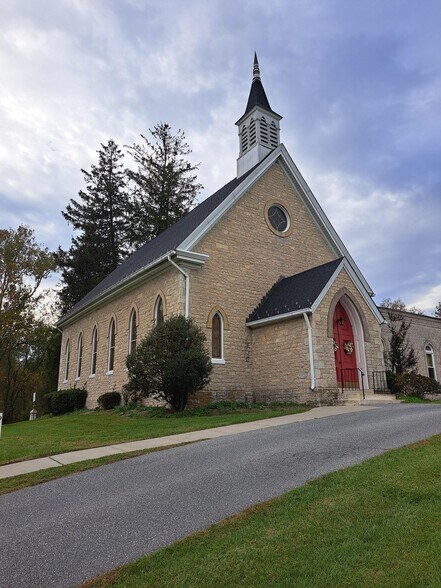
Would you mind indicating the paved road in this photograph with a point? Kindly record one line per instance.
(68, 530)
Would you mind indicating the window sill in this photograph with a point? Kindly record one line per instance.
(217, 361)
(109, 373)
(92, 375)
(77, 379)
(65, 381)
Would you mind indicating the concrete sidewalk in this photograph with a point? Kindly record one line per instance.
(43, 463)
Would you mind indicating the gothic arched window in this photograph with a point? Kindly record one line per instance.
(94, 351)
(159, 311)
(133, 331)
(217, 336)
(111, 347)
(79, 355)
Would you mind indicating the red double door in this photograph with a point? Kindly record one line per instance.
(344, 350)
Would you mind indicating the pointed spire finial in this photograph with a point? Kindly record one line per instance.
(256, 70)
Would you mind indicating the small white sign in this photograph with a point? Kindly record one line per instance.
(1, 420)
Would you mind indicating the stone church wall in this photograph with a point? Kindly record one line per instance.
(424, 330)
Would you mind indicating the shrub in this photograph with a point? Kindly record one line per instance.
(391, 380)
(68, 400)
(109, 400)
(413, 384)
(170, 363)
(47, 402)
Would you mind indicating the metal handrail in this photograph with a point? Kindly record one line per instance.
(362, 379)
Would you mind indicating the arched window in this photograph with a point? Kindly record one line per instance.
(159, 310)
(94, 351)
(133, 332)
(111, 349)
(264, 131)
(217, 337)
(79, 355)
(430, 362)
(66, 360)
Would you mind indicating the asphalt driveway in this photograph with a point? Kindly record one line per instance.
(66, 531)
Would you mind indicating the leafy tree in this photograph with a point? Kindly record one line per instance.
(398, 304)
(23, 267)
(401, 354)
(437, 312)
(163, 185)
(170, 363)
(100, 217)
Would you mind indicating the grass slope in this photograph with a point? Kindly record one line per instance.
(376, 524)
(84, 429)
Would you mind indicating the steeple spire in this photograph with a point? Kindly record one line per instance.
(256, 69)
(258, 127)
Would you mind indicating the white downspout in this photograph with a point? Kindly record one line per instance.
(311, 351)
(187, 285)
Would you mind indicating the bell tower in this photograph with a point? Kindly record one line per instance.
(259, 129)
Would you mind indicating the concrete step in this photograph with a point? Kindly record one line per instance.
(371, 398)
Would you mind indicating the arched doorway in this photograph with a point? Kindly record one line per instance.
(345, 350)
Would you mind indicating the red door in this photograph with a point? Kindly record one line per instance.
(344, 350)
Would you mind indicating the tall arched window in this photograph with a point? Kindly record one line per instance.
(133, 331)
(159, 310)
(111, 349)
(94, 351)
(217, 337)
(79, 355)
(66, 360)
(430, 362)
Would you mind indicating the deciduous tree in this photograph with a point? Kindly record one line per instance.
(23, 266)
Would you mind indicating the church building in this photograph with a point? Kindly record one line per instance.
(258, 266)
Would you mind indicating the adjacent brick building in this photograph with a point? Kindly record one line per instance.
(287, 313)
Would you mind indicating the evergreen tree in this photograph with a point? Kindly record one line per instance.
(99, 216)
(163, 185)
(401, 353)
(437, 312)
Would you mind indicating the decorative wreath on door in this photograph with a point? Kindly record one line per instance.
(335, 346)
(348, 347)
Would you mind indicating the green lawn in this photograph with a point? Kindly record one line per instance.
(376, 524)
(84, 429)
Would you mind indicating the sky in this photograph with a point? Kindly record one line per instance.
(358, 85)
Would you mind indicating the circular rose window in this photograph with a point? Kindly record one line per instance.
(278, 218)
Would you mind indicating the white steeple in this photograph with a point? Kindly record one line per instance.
(259, 129)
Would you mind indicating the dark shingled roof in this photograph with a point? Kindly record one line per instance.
(160, 245)
(294, 293)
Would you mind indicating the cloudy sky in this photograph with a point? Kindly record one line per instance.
(358, 84)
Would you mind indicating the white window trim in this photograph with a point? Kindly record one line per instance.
(109, 340)
(131, 329)
(79, 346)
(66, 361)
(94, 347)
(155, 313)
(432, 353)
(218, 360)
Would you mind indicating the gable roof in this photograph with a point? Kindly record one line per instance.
(297, 292)
(192, 227)
(166, 242)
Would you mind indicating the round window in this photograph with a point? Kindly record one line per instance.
(278, 218)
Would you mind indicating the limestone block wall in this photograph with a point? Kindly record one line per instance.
(424, 330)
(169, 284)
(246, 258)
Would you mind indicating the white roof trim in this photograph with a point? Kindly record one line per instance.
(357, 283)
(277, 318)
(282, 153)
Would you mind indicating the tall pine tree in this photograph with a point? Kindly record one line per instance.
(163, 186)
(100, 217)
